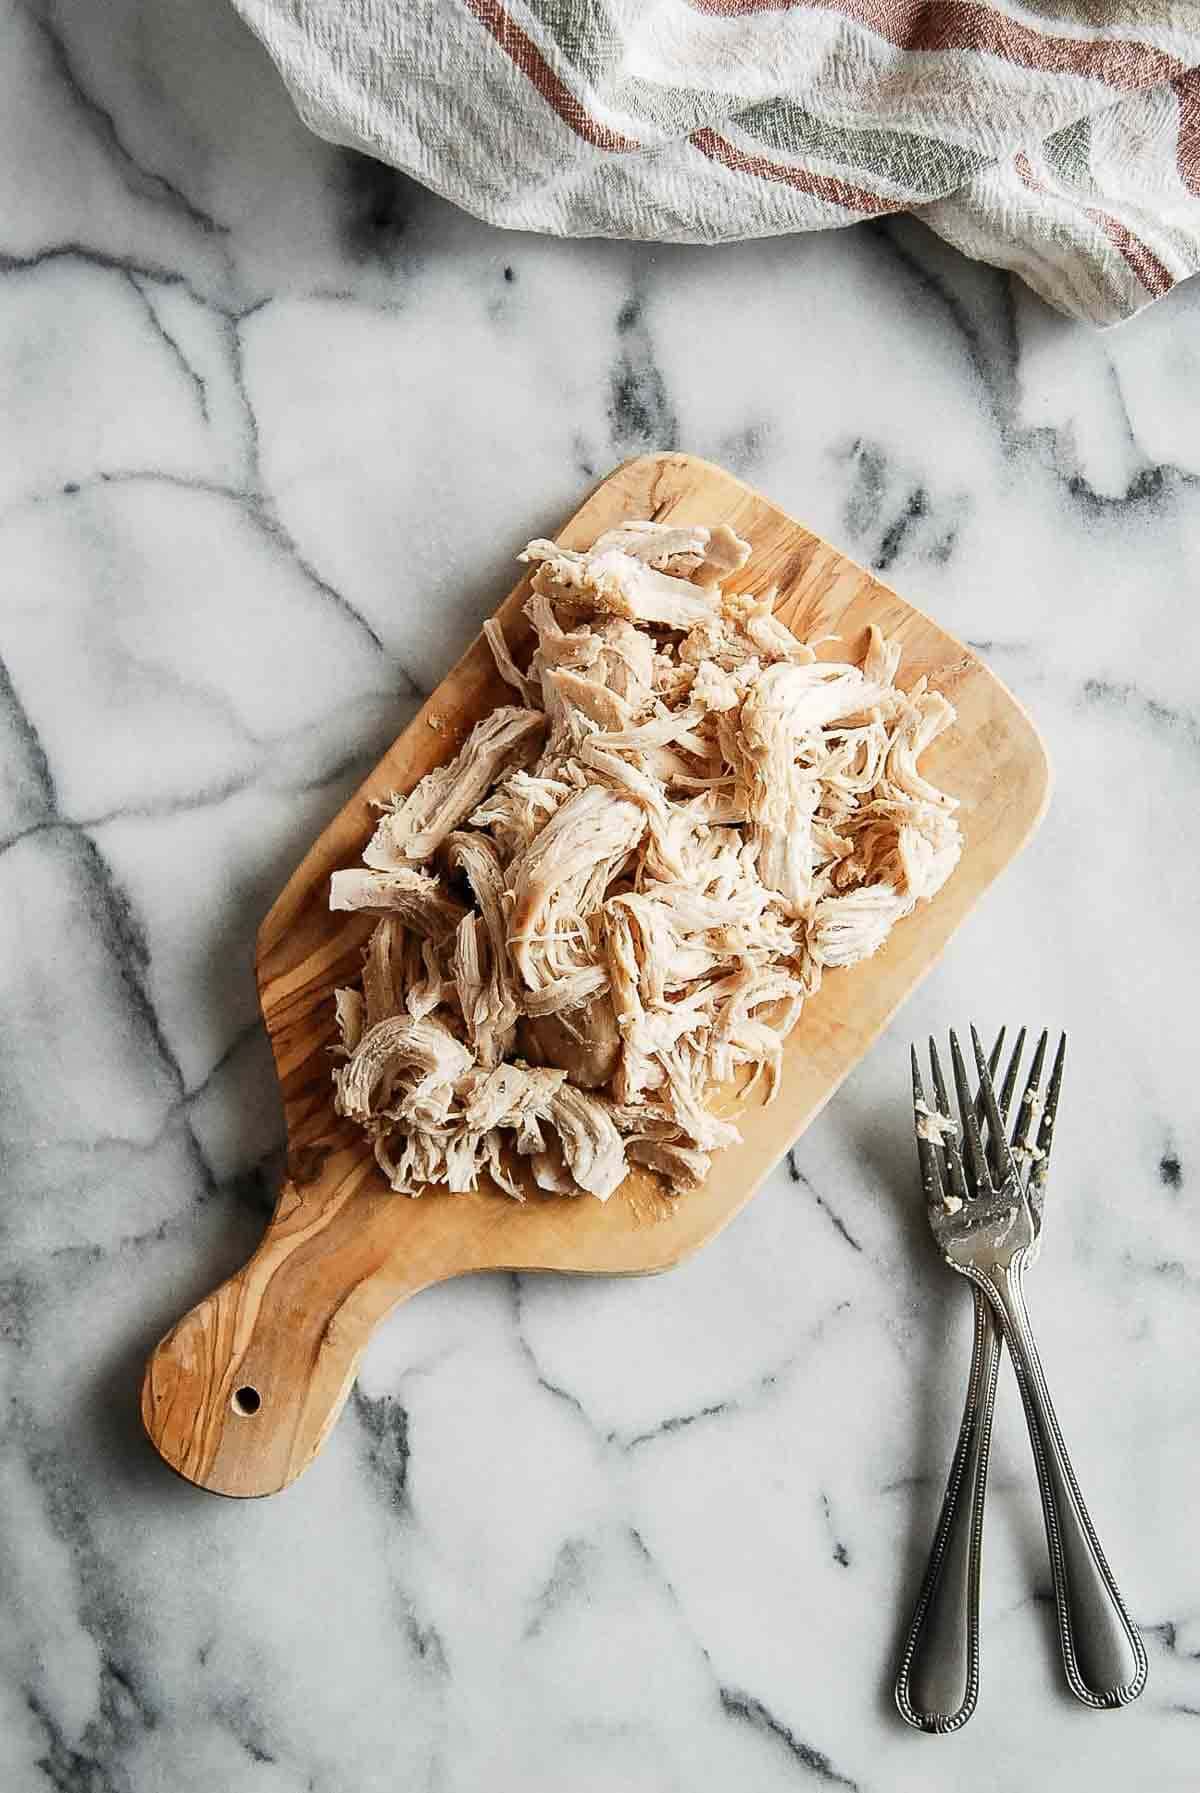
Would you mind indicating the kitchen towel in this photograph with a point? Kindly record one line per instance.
(1059, 139)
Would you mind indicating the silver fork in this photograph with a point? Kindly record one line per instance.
(987, 1227)
(937, 1683)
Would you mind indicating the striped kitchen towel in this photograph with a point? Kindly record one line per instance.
(1059, 138)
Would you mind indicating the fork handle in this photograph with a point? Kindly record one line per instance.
(1103, 1654)
(937, 1684)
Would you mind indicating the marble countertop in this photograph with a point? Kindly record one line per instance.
(274, 423)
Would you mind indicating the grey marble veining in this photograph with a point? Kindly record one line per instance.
(274, 423)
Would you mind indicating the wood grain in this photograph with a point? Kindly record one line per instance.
(341, 1250)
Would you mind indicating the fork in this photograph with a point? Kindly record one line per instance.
(983, 1221)
(937, 1683)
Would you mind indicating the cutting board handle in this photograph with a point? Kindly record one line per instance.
(240, 1394)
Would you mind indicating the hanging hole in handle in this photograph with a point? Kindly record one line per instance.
(246, 1401)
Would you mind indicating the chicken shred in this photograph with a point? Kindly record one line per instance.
(619, 894)
(934, 1127)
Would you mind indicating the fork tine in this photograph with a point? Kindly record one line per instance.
(927, 1156)
(1001, 1164)
(1010, 1076)
(1041, 1166)
(977, 1163)
(993, 1063)
(1024, 1119)
(954, 1163)
(980, 1106)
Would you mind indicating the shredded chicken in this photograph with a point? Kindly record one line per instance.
(414, 827)
(935, 1127)
(619, 894)
(414, 897)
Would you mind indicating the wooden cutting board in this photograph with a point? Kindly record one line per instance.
(240, 1395)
